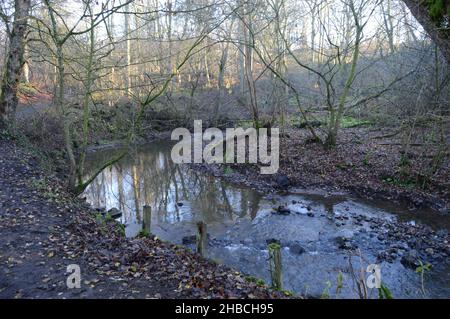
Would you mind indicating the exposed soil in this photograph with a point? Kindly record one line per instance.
(43, 230)
(362, 164)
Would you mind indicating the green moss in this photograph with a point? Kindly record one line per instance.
(143, 233)
(227, 170)
(121, 229)
(274, 246)
(255, 280)
(348, 122)
(403, 182)
(27, 89)
(288, 293)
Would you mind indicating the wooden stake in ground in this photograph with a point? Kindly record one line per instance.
(275, 265)
(201, 238)
(147, 220)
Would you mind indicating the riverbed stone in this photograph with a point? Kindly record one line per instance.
(281, 210)
(282, 180)
(296, 248)
(343, 242)
(114, 213)
(410, 259)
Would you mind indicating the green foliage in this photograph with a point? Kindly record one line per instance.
(402, 182)
(340, 283)
(326, 291)
(366, 160)
(227, 170)
(422, 269)
(108, 218)
(384, 292)
(99, 218)
(103, 219)
(349, 122)
(45, 188)
(257, 281)
(437, 10)
(274, 246)
(245, 124)
(121, 229)
(5, 134)
(288, 293)
(260, 282)
(143, 233)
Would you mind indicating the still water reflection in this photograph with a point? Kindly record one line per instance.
(175, 192)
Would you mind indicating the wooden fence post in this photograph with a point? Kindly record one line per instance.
(202, 238)
(275, 265)
(147, 220)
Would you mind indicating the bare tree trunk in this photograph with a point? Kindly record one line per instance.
(128, 48)
(241, 49)
(62, 112)
(221, 81)
(388, 25)
(87, 95)
(14, 63)
(59, 94)
(313, 33)
(410, 32)
(248, 65)
(337, 113)
(169, 36)
(251, 82)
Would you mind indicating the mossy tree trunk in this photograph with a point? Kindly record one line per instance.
(14, 62)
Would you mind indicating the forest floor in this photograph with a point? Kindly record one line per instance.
(364, 163)
(43, 230)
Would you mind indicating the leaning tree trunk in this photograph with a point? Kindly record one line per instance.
(440, 35)
(14, 63)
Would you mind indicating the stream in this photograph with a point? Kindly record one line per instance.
(317, 232)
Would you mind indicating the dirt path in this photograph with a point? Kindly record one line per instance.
(43, 231)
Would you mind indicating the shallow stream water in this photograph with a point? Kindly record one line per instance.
(240, 223)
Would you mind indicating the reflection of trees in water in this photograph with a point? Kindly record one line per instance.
(136, 192)
(120, 186)
(151, 178)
